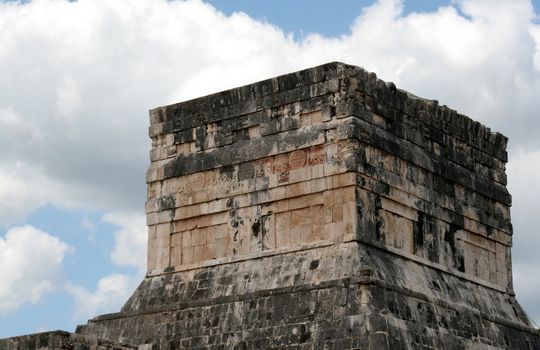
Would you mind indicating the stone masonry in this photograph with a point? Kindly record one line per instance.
(323, 209)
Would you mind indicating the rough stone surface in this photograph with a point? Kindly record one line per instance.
(323, 209)
(60, 340)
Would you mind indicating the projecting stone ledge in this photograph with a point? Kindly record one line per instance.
(323, 209)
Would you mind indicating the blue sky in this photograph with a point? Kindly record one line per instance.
(79, 78)
(304, 16)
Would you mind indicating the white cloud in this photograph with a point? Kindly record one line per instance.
(11, 122)
(527, 287)
(535, 33)
(523, 172)
(524, 175)
(68, 100)
(110, 294)
(130, 241)
(16, 197)
(30, 261)
(25, 186)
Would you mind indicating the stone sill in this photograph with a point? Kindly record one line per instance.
(235, 259)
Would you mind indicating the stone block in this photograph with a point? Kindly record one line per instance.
(186, 239)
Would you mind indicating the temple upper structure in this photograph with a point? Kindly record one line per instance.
(323, 209)
(329, 156)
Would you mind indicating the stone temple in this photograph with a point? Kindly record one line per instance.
(322, 209)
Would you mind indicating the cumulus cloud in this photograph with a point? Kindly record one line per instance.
(523, 187)
(527, 287)
(30, 262)
(111, 292)
(17, 198)
(78, 78)
(526, 261)
(130, 241)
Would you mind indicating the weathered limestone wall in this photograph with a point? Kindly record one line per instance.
(242, 178)
(324, 209)
(434, 183)
(284, 162)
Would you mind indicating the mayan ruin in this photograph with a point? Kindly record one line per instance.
(322, 209)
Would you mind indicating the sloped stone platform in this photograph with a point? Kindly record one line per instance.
(346, 297)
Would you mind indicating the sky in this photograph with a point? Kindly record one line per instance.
(77, 80)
